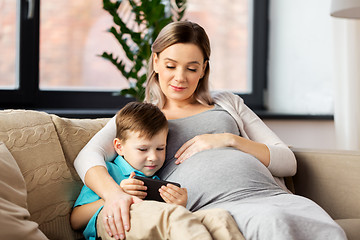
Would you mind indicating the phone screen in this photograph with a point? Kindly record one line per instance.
(153, 186)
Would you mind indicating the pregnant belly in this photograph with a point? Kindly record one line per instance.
(221, 175)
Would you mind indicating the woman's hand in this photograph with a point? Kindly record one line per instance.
(116, 213)
(173, 194)
(210, 141)
(134, 187)
(201, 143)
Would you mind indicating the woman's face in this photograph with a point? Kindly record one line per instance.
(179, 69)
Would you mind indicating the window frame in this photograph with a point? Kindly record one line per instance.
(101, 103)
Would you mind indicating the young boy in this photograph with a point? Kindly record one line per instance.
(140, 143)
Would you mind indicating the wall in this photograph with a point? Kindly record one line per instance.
(318, 134)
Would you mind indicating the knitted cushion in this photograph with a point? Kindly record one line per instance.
(31, 138)
(74, 134)
(15, 220)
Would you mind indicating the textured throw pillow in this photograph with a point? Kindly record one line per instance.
(14, 216)
(74, 134)
(31, 138)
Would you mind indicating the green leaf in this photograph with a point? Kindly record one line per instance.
(119, 65)
(152, 15)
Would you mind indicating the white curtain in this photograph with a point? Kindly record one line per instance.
(347, 83)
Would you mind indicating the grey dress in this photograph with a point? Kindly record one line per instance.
(238, 182)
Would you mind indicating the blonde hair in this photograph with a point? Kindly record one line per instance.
(173, 33)
(144, 118)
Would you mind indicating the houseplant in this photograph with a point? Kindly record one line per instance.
(136, 25)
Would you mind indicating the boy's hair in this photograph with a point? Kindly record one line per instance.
(144, 118)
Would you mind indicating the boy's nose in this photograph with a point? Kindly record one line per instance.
(152, 156)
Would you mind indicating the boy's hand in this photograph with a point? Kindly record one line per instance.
(134, 187)
(173, 194)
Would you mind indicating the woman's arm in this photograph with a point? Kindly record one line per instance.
(210, 141)
(117, 203)
(91, 167)
(256, 138)
(282, 159)
(98, 150)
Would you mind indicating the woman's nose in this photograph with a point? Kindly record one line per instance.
(180, 75)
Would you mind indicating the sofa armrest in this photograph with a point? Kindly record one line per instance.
(331, 179)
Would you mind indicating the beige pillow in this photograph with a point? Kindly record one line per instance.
(74, 134)
(14, 219)
(31, 139)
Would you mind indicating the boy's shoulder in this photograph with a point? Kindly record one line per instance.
(118, 166)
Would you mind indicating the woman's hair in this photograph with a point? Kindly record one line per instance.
(173, 33)
(143, 118)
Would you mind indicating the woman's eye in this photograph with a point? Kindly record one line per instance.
(192, 69)
(170, 67)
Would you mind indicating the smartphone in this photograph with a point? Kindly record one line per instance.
(153, 186)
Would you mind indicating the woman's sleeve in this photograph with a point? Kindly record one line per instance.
(98, 150)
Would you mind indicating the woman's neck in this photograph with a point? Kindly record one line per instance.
(176, 110)
(178, 105)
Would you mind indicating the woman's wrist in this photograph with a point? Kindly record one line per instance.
(232, 140)
(258, 150)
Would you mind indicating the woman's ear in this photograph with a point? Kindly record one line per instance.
(118, 146)
(204, 68)
(155, 62)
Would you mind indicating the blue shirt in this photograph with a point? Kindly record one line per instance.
(119, 169)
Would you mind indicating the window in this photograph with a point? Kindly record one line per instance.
(7, 44)
(229, 45)
(72, 35)
(51, 51)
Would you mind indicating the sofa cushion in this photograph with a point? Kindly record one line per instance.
(331, 179)
(74, 134)
(31, 138)
(15, 220)
(351, 228)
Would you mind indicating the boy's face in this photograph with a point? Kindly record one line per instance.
(145, 155)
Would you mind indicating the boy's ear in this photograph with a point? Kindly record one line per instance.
(118, 146)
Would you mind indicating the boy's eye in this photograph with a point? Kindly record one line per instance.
(160, 149)
(142, 149)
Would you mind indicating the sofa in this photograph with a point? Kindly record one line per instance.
(38, 183)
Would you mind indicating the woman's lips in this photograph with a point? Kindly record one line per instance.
(176, 88)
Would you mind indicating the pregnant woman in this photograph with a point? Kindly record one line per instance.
(217, 148)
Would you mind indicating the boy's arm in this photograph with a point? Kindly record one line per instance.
(81, 215)
(173, 194)
(133, 186)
